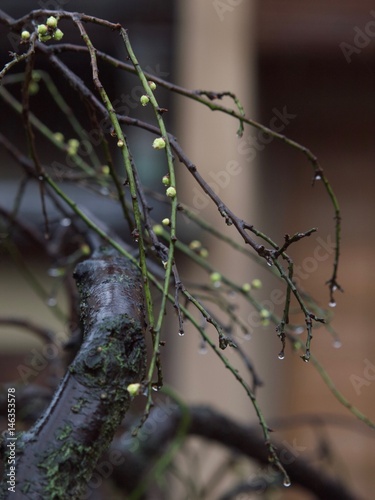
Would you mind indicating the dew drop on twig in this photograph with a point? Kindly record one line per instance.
(337, 344)
(332, 303)
(181, 333)
(202, 348)
(65, 222)
(287, 482)
(298, 330)
(281, 355)
(51, 301)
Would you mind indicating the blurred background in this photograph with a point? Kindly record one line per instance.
(307, 69)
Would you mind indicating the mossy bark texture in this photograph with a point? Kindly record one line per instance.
(56, 457)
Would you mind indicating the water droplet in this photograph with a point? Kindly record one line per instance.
(281, 355)
(298, 330)
(269, 262)
(41, 178)
(51, 302)
(55, 272)
(66, 222)
(181, 333)
(334, 288)
(202, 348)
(104, 191)
(217, 284)
(317, 177)
(337, 344)
(332, 303)
(287, 482)
(155, 387)
(247, 336)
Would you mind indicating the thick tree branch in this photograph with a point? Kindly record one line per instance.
(57, 456)
(210, 424)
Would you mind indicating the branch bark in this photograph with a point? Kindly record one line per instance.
(56, 457)
(139, 454)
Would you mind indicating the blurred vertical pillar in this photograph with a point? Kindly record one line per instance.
(215, 51)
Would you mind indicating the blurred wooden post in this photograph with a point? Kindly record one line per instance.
(215, 51)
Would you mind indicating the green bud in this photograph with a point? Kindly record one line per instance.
(106, 170)
(256, 283)
(158, 229)
(246, 287)
(42, 29)
(52, 22)
(58, 35)
(195, 245)
(264, 313)
(25, 35)
(120, 143)
(158, 143)
(133, 389)
(171, 192)
(58, 136)
(215, 277)
(73, 145)
(166, 222)
(166, 180)
(152, 85)
(144, 100)
(203, 253)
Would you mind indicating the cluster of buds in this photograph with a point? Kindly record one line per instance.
(45, 31)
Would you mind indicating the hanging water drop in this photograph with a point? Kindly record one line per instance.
(217, 284)
(298, 330)
(269, 262)
(337, 344)
(332, 303)
(287, 482)
(51, 302)
(181, 333)
(65, 222)
(281, 355)
(317, 177)
(202, 348)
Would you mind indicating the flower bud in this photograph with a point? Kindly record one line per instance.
(215, 277)
(171, 192)
(158, 143)
(166, 222)
(158, 229)
(58, 34)
(42, 29)
(133, 389)
(152, 85)
(25, 35)
(166, 180)
(52, 22)
(256, 283)
(144, 100)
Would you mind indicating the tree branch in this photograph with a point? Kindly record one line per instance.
(92, 398)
